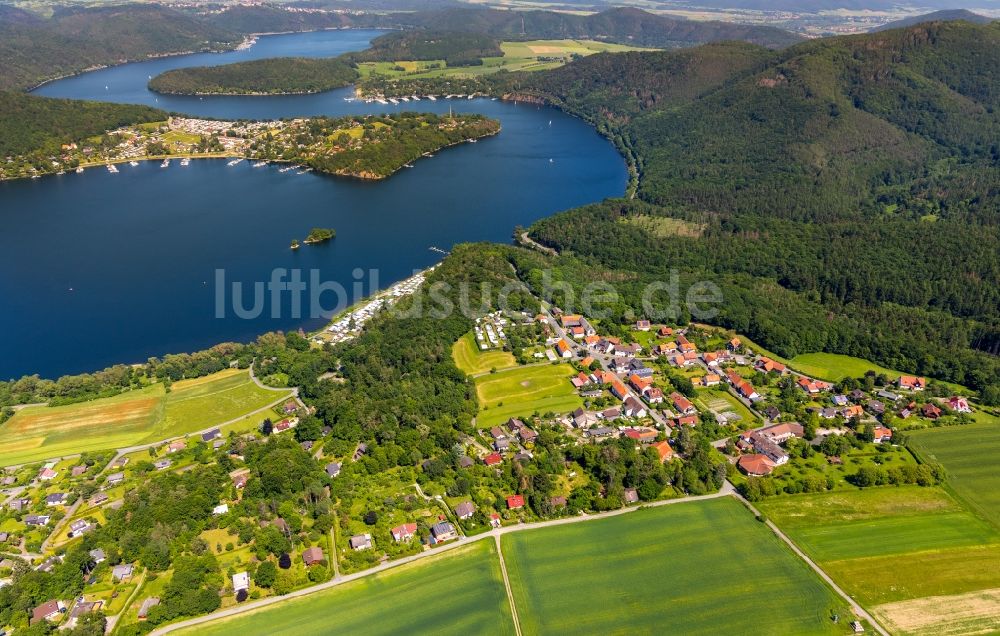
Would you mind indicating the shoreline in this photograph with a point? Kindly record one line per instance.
(156, 56)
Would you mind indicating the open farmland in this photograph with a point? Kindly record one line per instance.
(470, 359)
(885, 546)
(533, 55)
(460, 592)
(142, 416)
(969, 454)
(699, 568)
(523, 391)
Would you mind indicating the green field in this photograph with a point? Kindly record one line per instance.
(969, 454)
(522, 391)
(693, 568)
(534, 55)
(469, 358)
(460, 592)
(899, 551)
(146, 415)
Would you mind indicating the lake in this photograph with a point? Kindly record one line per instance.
(103, 268)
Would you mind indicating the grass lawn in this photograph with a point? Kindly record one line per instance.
(891, 544)
(969, 454)
(523, 391)
(144, 415)
(692, 568)
(470, 359)
(459, 592)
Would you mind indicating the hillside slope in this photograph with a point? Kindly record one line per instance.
(843, 192)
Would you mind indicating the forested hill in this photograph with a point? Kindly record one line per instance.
(623, 25)
(944, 15)
(43, 124)
(846, 191)
(73, 39)
(454, 47)
(283, 75)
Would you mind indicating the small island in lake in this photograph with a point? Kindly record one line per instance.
(295, 244)
(274, 76)
(319, 235)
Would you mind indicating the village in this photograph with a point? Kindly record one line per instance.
(650, 387)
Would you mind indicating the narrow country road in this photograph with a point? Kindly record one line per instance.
(506, 584)
(860, 611)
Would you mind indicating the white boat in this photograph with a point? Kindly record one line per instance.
(414, 98)
(286, 169)
(405, 99)
(112, 169)
(260, 164)
(165, 164)
(133, 163)
(381, 101)
(233, 162)
(186, 161)
(472, 96)
(79, 170)
(407, 165)
(432, 98)
(471, 141)
(394, 101)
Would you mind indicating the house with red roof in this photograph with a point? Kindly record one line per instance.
(564, 349)
(665, 332)
(882, 434)
(755, 465)
(641, 434)
(664, 450)
(639, 384)
(404, 532)
(931, 411)
(911, 383)
(581, 379)
(684, 420)
(767, 365)
(492, 459)
(959, 404)
(515, 502)
(653, 395)
(682, 404)
(733, 344)
(619, 389)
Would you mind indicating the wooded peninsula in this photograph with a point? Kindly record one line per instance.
(273, 76)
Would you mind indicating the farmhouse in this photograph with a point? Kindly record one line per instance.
(36, 520)
(122, 572)
(811, 386)
(664, 450)
(642, 325)
(882, 434)
(959, 404)
(492, 459)
(162, 464)
(81, 608)
(176, 446)
(333, 469)
(361, 542)
(767, 365)
(404, 532)
(78, 527)
(465, 510)
(755, 465)
(682, 404)
(911, 383)
(515, 502)
(565, 351)
(47, 611)
(641, 434)
(47, 474)
(665, 332)
(208, 436)
(55, 499)
(931, 411)
(114, 479)
(312, 556)
(443, 531)
(733, 344)
(98, 556)
(633, 408)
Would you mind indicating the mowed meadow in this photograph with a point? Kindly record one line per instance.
(458, 592)
(701, 567)
(470, 359)
(136, 417)
(523, 391)
(918, 559)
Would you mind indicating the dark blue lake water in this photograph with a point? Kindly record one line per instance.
(99, 268)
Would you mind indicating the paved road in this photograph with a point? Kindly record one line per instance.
(726, 491)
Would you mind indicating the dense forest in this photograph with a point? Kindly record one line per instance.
(282, 75)
(455, 48)
(41, 124)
